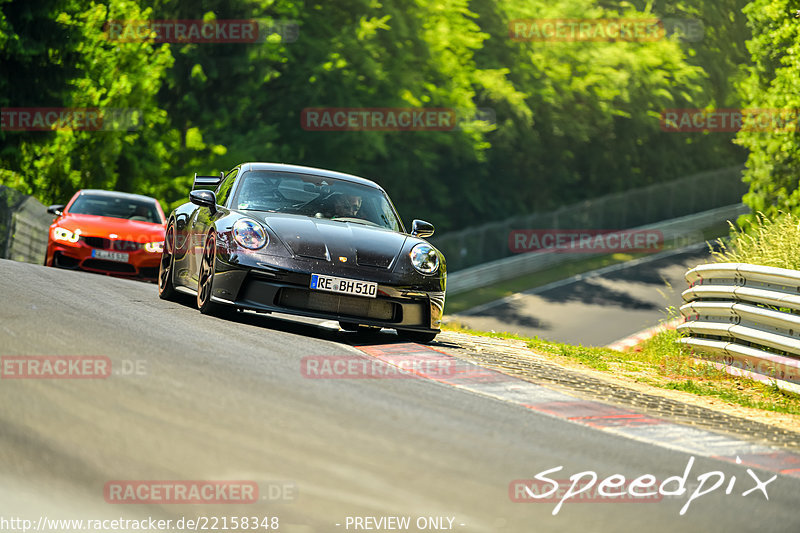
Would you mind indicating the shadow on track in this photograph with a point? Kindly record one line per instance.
(303, 326)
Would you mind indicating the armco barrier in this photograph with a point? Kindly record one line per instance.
(745, 319)
(632, 208)
(24, 223)
(680, 231)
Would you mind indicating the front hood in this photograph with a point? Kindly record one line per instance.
(124, 229)
(341, 242)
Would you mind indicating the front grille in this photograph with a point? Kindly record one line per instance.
(338, 304)
(64, 261)
(125, 246)
(109, 266)
(97, 242)
(107, 244)
(149, 272)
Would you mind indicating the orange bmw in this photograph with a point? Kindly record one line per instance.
(107, 232)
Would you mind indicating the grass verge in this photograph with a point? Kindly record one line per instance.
(768, 242)
(661, 362)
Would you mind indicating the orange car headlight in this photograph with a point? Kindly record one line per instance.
(155, 247)
(63, 234)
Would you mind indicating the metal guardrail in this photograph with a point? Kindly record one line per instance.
(24, 223)
(682, 231)
(745, 319)
(29, 237)
(627, 209)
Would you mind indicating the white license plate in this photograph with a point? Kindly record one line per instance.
(344, 286)
(110, 256)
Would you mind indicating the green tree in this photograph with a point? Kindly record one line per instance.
(772, 166)
(56, 54)
(593, 125)
(572, 120)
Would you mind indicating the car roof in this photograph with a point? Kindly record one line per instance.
(310, 170)
(116, 194)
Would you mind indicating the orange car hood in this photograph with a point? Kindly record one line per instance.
(124, 229)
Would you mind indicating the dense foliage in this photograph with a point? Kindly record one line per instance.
(772, 82)
(570, 120)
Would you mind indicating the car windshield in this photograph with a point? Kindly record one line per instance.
(116, 207)
(315, 196)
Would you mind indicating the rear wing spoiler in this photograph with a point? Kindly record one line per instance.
(207, 182)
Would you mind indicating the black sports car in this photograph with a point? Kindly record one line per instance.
(305, 241)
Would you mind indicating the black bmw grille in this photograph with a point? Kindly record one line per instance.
(97, 242)
(107, 244)
(125, 246)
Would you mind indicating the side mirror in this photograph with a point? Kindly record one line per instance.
(204, 198)
(422, 229)
(57, 209)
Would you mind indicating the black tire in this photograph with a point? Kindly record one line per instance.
(166, 286)
(205, 279)
(420, 337)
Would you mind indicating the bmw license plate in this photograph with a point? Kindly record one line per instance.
(344, 286)
(110, 256)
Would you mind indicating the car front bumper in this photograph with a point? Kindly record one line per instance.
(78, 256)
(276, 289)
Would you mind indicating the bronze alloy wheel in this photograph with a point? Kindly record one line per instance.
(205, 279)
(166, 289)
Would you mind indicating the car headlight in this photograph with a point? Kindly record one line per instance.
(424, 258)
(155, 247)
(63, 234)
(249, 234)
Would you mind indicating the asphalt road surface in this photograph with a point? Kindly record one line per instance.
(226, 400)
(596, 308)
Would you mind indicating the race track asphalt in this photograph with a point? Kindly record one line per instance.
(218, 399)
(596, 308)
